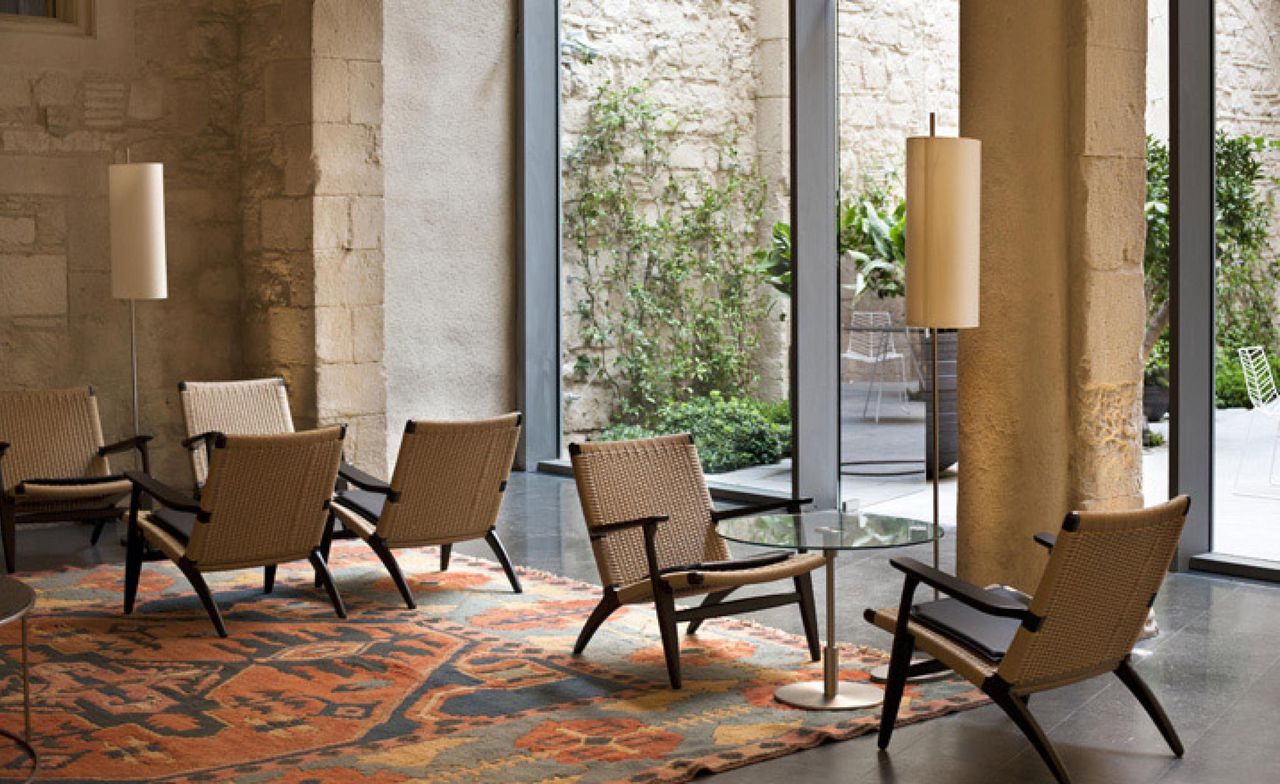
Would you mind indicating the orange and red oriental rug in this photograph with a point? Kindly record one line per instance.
(476, 685)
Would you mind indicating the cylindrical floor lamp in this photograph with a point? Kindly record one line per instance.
(944, 178)
(136, 192)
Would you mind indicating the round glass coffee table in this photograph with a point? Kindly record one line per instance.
(829, 532)
(16, 601)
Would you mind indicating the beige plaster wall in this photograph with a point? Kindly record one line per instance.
(159, 79)
(450, 209)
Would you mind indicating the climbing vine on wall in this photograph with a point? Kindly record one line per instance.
(665, 263)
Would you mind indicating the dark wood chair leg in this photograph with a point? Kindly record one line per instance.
(132, 565)
(98, 525)
(711, 601)
(202, 590)
(1017, 710)
(268, 578)
(495, 544)
(1130, 678)
(322, 569)
(326, 541)
(393, 567)
(608, 604)
(8, 531)
(895, 685)
(665, 604)
(445, 551)
(809, 614)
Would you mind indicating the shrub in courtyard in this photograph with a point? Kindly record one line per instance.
(730, 432)
(1248, 269)
(671, 293)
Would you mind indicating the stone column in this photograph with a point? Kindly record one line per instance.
(1050, 383)
(311, 201)
(773, 146)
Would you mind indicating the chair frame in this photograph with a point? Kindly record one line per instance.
(11, 514)
(144, 486)
(1261, 387)
(885, 352)
(384, 550)
(713, 604)
(1014, 705)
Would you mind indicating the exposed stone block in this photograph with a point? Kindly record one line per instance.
(332, 223)
(33, 285)
(368, 344)
(348, 29)
(287, 92)
(348, 278)
(286, 224)
(366, 222)
(347, 390)
(365, 92)
(347, 160)
(329, 86)
(55, 88)
(17, 231)
(15, 92)
(333, 335)
(146, 98)
(1107, 212)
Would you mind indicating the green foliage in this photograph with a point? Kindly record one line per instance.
(730, 432)
(667, 263)
(872, 234)
(1228, 381)
(1247, 268)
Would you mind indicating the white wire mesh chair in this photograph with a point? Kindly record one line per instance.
(871, 343)
(1260, 384)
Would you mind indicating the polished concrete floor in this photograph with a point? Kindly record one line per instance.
(1215, 665)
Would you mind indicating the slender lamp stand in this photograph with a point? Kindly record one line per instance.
(136, 192)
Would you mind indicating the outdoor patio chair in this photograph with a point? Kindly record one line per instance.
(871, 343)
(653, 532)
(1103, 574)
(1260, 384)
(447, 488)
(265, 502)
(53, 463)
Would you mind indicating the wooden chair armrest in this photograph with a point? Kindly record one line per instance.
(601, 531)
(166, 495)
(792, 505)
(363, 480)
(1047, 541)
(132, 442)
(979, 599)
(204, 439)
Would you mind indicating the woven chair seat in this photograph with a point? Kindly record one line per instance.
(160, 537)
(694, 582)
(972, 665)
(66, 494)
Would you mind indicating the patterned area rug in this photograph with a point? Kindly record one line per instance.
(477, 685)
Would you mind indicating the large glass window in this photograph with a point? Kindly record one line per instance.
(675, 179)
(896, 67)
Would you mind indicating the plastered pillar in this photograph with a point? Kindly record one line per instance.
(1050, 382)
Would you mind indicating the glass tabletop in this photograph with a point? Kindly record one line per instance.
(828, 530)
(15, 599)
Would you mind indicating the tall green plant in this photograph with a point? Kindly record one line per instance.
(871, 234)
(672, 294)
(1247, 268)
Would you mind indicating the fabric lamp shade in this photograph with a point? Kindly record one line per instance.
(136, 193)
(944, 190)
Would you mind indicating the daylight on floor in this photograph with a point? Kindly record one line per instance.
(587, 391)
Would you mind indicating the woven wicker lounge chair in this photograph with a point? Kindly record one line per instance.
(446, 488)
(265, 503)
(1103, 574)
(53, 463)
(652, 529)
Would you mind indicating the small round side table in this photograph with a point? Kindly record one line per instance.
(828, 532)
(16, 601)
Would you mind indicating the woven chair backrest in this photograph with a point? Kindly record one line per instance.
(266, 499)
(625, 480)
(1259, 382)
(868, 338)
(257, 406)
(449, 480)
(1094, 596)
(52, 433)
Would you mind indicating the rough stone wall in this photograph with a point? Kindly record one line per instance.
(347, 224)
(450, 202)
(157, 79)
